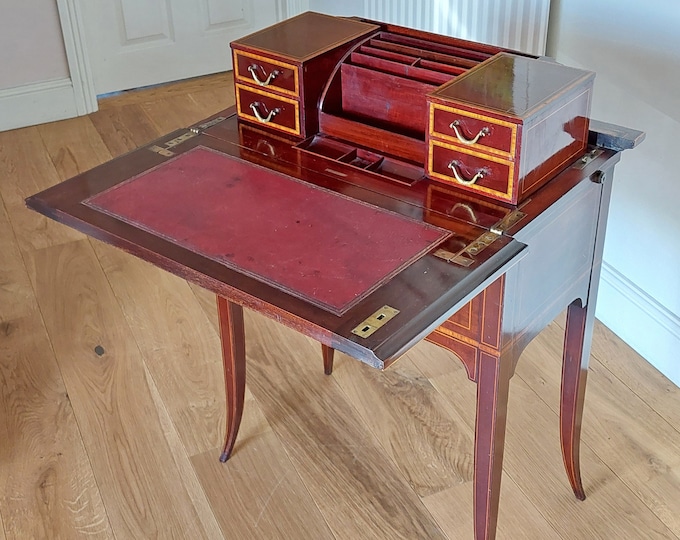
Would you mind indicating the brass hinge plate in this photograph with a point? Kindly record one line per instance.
(508, 221)
(483, 242)
(202, 127)
(165, 149)
(451, 257)
(375, 321)
(587, 158)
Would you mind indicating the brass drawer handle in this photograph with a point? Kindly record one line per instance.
(459, 178)
(264, 119)
(253, 72)
(482, 133)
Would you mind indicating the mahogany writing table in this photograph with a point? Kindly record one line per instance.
(364, 266)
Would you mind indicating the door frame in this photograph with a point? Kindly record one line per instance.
(78, 60)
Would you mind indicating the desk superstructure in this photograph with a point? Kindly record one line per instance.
(363, 193)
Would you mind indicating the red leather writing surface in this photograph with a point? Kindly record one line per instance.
(312, 243)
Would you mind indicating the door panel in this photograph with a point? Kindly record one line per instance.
(135, 43)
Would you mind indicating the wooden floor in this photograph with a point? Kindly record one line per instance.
(112, 405)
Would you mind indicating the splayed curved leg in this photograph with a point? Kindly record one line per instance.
(577, 338)
(232, 335)
(492, 402)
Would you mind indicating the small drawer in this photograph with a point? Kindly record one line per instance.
(268, 109)
(474, 130)
(471, 170)
(266, 73)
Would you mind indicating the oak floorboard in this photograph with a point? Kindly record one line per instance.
(645, 381)
(109, 388)
(627, 434)
(74, 146)
(431, 445)
(518, 517)
(16, 294)
(355, 485)
(47, 488)
(178, 110)
(123, 128)
(641, 377)
(533, 461)
(206, 299)
(430, 449)
(175, 112)
(158, 92)
(187, 478)
(25, 169)
(180, 347)
(258, 493)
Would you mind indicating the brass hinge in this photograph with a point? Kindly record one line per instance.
(202, 127)
(165, 149)
(482, 242)
(587, 158)
(508, 221)
(375, 321)
(451, 257)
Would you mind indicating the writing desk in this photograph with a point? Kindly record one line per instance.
(183, 203)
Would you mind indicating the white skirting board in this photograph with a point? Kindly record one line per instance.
(37, 103)
(651, 329)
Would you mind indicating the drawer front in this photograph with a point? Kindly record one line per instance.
(266, 73)
(473, 130)
(268, 109)
(471, 170)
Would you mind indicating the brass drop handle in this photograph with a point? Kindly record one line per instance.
(264, 119)
(482, 133)
(463, 181)
(253, 72)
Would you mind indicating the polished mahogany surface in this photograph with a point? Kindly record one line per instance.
(317, 245)
(513, 84)
(306, 35)
(425, 292)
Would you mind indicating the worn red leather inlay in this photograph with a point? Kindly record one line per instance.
(315, 244)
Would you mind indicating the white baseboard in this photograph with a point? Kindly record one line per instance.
(642, 322)
(37, 103)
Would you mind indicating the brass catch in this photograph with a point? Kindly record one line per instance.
(165, 149)
(508, 221)
(451, 257)
(375, 321)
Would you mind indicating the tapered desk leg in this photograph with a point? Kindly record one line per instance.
(232, 335)
(492, 402)
(327, 358)
(577, 337)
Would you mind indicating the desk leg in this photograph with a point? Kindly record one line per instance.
(327, 358)
(492, 402)
(233, 339)
(577, 338)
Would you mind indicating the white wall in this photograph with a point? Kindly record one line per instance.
(31, 45)
(634, 47)
(346, 8)
(42, 68)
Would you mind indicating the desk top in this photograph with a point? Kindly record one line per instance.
(422, 287)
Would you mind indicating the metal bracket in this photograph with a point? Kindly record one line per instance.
(165, 149)
(587, 158)
(451, 257)
(375, 321)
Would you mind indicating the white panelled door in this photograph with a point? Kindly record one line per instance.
(134, 43)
